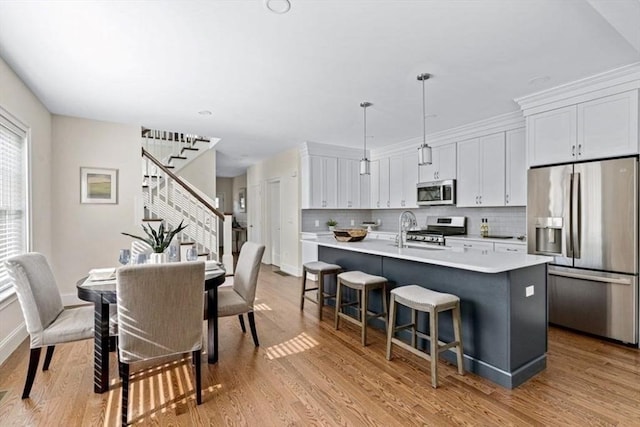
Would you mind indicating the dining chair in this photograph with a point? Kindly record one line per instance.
(48, 322)
(159, 314)
(238, 299)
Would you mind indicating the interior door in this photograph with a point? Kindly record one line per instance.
(255, 214)
(274, 222)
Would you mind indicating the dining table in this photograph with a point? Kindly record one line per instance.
(102, 293)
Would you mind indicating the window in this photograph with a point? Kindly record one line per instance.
(13, 193)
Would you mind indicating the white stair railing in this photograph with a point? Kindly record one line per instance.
(171, 198)
(167, 146)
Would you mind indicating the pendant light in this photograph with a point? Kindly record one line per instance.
(424, 151)
(364, 163)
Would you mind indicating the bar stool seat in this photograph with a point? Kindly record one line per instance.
(363, 283)
(320, 269)
(432, 302)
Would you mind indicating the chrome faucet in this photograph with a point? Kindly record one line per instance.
(406, 220)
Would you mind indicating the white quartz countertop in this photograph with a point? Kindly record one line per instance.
(479, 238)
(462, 258)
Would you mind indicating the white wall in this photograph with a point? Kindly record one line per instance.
(225, 186)
(17, 99)
(201, 173)
(87, 236)
(285, 167)
(239, 182)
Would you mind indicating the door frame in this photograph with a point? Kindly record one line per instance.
(267, 219)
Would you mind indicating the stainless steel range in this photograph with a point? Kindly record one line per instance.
(438, 227)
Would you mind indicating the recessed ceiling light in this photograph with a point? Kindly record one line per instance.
(205, 113)
(539, 80)
(278, 6)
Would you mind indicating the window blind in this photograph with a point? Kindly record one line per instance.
(13, 195)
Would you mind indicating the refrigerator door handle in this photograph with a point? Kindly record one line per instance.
(576, 214)
(568, 246)
(617, 280)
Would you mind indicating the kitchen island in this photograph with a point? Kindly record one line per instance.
(503, 299)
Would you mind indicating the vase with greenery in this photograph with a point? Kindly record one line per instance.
(332, 224)
(160, 239)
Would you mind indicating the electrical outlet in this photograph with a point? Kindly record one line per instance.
(317, 223)
(353, 222)
(528, 291)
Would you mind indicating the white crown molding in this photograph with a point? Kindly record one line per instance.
(308, 148)
(501, 123)
(592, 87)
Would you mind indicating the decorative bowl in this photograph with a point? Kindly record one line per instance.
(350, 234)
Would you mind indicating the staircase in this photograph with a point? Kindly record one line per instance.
(172, 199)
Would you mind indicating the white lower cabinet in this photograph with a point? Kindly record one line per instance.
(469, 244)
(479, 243)
(509, 247)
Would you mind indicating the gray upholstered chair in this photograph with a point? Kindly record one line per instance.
(238, 299)
(159, 314)
(48, 321)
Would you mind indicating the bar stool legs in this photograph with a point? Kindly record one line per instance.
(321, 269)
(362, 283)
(425, 300)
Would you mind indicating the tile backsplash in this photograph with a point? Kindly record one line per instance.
(510, 221)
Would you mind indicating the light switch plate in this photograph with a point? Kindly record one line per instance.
(317, 223)
(528, 291)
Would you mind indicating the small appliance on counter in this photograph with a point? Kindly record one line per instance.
(438, 227)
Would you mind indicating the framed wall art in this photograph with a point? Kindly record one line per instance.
(98, 185)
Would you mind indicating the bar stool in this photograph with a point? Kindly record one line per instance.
(425, 300)
(320, 269)
(363, 283)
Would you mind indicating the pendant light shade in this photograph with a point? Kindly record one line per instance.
(365, 167)
(424, 151)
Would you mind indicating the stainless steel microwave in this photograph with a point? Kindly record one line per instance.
(437, 193)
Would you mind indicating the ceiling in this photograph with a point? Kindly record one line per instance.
(273, 81)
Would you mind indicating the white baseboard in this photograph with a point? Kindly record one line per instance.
(12, 341)
(291, 269)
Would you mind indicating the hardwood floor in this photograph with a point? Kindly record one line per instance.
(305, 373)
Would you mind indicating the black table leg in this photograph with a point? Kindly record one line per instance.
(212, 325)
(101, 348)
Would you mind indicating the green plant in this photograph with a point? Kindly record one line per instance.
(158, 240)
(332, 222)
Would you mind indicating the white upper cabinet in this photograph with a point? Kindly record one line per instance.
(600, 128)
(320, 182)
(384, 186)
(396, 182)
(403, 177)
(443, 164)
(552, 136)
(608, 126)
(375, 184)
(353, 188)
(516, 169)
(481, 171)
(410, 178)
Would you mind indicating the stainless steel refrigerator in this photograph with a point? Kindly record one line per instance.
(585, 215)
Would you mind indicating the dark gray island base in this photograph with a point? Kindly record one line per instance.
(504, 331)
